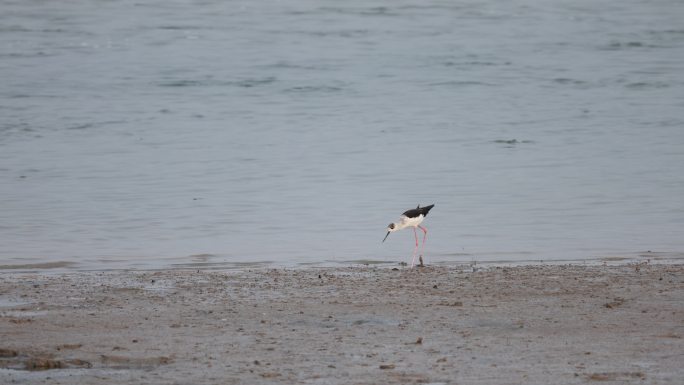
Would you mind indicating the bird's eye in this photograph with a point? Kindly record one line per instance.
(391, 225)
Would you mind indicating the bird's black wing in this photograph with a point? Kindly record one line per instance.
(416, 212)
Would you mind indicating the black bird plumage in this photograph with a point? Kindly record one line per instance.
(418, 211)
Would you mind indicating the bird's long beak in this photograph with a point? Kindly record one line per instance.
(386, 236)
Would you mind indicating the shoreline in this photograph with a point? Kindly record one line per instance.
(211, 262)
(536, 324)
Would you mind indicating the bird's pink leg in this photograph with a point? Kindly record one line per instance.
(415, 249)
(422, 249)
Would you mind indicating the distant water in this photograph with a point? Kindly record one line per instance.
(138, 134)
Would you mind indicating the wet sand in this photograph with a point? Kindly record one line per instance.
(541, 324)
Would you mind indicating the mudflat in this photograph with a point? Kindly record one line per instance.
(538, 324)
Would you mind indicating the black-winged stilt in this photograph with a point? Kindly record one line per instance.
(412, 218)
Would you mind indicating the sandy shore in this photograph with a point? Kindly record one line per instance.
(359, 325)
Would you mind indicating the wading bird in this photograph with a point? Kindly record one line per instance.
(412, 218)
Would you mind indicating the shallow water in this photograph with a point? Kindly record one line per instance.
(161, 133)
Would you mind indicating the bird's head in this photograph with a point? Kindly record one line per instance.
(390, 228)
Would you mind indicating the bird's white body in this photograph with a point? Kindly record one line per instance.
(405, 222)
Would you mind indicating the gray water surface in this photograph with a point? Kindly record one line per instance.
(137, 134)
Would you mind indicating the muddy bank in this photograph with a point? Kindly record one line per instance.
(359, 325)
